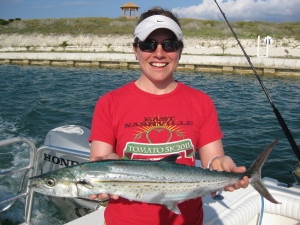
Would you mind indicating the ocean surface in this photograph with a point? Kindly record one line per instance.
(35, 99)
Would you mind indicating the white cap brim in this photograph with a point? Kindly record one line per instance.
(152, 23)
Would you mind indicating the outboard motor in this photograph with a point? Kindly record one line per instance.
(66, 146)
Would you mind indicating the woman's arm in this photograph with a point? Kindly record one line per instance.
(213, 157)
(100, 151)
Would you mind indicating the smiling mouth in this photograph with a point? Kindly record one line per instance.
(159, 64)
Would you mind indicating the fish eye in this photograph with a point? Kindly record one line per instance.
(50, 182)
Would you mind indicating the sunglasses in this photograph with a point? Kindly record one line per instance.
(151, 45)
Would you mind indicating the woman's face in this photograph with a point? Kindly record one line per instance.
(158, 66)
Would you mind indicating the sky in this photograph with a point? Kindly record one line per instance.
(235, 10)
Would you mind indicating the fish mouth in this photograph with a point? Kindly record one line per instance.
(42, 189)
(33, 186)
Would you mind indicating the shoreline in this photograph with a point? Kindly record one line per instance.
(115, 51)
(286, 47)
(201, 63)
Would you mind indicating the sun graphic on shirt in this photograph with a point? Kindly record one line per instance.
(160, 130)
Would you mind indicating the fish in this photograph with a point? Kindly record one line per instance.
(163, 182)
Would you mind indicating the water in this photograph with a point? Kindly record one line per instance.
(35, 99)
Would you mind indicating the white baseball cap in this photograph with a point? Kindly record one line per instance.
(152, 23)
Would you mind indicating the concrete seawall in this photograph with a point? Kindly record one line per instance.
(220, 64)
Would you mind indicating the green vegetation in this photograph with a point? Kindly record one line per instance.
(64, 44)
(6, 22)
(117, 26)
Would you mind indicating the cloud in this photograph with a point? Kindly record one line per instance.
(245, 10)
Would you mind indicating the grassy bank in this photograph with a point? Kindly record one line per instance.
(119, 26)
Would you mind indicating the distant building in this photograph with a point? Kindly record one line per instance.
(130, 10)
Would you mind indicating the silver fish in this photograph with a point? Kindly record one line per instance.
(163, 182)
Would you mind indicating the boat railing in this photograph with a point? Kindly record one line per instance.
(32, 169)
(28, 171)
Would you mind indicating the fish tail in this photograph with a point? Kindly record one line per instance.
(254, 173)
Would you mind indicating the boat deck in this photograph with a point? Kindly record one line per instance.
(241, 207)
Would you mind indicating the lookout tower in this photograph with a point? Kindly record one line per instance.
(130, 10)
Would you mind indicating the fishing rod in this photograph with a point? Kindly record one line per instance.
(278, 115)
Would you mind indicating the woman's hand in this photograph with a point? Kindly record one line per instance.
(225, 163)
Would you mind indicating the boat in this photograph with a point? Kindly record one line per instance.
(68, 145)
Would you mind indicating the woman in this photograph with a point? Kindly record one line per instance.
(156, 110)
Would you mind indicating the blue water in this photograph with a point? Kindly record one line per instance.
(35, 99)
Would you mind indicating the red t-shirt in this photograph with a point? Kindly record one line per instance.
(143, 125)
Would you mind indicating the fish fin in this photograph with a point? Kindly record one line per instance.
(85, 184)
(254, 173)
(172, 206)
(260, 188)
(170, 158)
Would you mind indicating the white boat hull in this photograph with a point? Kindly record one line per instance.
(243, 207)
